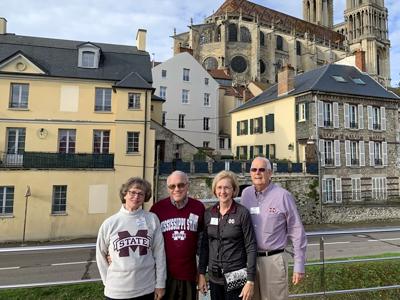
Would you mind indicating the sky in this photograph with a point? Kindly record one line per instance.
(117, 21)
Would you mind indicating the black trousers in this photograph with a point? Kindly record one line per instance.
(144, 297)
(180, 289)
(217, 292)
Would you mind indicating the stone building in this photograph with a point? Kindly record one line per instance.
(336, 116)
(254, 42)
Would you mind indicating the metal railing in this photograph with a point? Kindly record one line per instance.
(322, 262)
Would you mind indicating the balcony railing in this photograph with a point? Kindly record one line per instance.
(353, 125)
(376, 126)
(354, 162)
(48, 160)
(328, 123)
(329, 161)
(378, 162)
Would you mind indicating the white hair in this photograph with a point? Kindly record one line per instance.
(180, 174)
(265, 160)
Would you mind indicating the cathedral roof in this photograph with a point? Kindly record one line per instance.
(322, 80)
(276, 18)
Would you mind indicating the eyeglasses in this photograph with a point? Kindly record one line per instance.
(255, 170)
(180, 185)
(134, 193)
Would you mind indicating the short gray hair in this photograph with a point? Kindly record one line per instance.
(179, 173)
(265, 160)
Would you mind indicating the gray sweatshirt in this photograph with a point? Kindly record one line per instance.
(136, 246)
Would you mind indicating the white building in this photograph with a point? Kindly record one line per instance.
(191, 106)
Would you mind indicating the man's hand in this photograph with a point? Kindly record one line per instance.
(297, 277)
(159, 293)
(202, 284)
(247, 291)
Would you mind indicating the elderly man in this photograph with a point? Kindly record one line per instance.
(275, 219)
(181, 220)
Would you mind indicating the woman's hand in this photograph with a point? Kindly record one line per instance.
(159, 293)
(202, 284)
(247, 291)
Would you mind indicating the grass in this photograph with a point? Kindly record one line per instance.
(338, 277)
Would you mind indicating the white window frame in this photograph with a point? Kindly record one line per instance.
(163, 73)
(379, 188)
(206, 99)
(163, 92)
(332, 190)
(132, 142)
(134, 101)
(70, 137)
(206, 123)
(88, 59)
(102, 100)
(186, 74)
(19, 95)
(181, 121)
(59, 200)
(356, 189)
(302, 112)
(104, 141)
(5, 197)
(185, 96)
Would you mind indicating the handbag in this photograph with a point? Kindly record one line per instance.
(235, 279)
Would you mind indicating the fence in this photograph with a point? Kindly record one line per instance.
(322, 263)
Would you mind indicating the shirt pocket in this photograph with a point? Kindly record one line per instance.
(272, 222)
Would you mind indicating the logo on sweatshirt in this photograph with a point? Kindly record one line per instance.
(126, 241)
(179, 235)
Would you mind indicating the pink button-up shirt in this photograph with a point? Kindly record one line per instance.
(275, 220)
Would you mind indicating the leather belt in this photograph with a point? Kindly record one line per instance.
(269, 253)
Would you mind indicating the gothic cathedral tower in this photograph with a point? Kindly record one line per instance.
(319, 12)
(367, 29)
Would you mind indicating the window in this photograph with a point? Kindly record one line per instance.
(133, 101)
(163, 92)
(353, 116)
(186, 74)
(332, 190)
(103, 99)
(379, 188)
(59, 201)
(262, 39)
(376, 118)
(329, 153)
(354, 153)
(222, 143)
(339, 78)
(232, 33)
(19, 95)
(163, 73)
(245, 35)
(256, 125)
(358, 81)
(206, 81)
(328, 114)
(241, 152)
(206, 144)
(356, 189)
(181, 121)
(206, 124)
(6, 200)
(378, 153)
(132, 145)
(270, 151)
(298, 48)
(239, 64)
(302, 112)
(269, 123)
(164, 118)
(66, 140)
(242, 127)
(206, 99)
(279, 43)
(256, 150)
(263, 67)
(15, 146)
(88, 59)
(101, 141)
(185, 96)
(238, 102)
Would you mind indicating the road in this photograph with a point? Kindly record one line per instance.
(78, 264)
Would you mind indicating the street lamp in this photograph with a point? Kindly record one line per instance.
(27, 195)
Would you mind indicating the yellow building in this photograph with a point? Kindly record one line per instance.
(74, 125)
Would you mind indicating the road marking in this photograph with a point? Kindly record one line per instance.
(10, 268)
(332, 243)
(72, 263)
(383, 240)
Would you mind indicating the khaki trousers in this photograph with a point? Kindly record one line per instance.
(272, 278)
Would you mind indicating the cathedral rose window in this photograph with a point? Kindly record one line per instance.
(239, 64)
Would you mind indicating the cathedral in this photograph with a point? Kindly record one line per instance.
(253, 42)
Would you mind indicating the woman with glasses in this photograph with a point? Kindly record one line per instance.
(228, 246)
(133, 240)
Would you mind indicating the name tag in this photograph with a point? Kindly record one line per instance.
(141, 223)
(255, 210)
(214, 221)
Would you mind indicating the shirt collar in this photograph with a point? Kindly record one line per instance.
(232, 209)
(179, 206)
(264, 191)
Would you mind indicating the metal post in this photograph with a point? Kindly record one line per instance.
(322, 259)
(27, 194)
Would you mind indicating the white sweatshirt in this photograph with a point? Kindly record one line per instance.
(136, 246)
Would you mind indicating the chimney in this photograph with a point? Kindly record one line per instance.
(141, 39)
(360, 60)
(3, 25)
(286, 80)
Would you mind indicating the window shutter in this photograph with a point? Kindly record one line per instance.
(361, 147)
(272, 116)
(347, 151)
(384, 188)
(273, 151)
(383, 118)
(338, 188)
(267, 151)
(369, 111)
(324, 190)
(238, 128)
(261, 125)
(337, 153)
(251, 126)
(246, 127)
(297, 112)
(335, 115)
(346, 115)
(251, 152)
(384, 154)
(245, 152)
(260, 150)
(306, 107)
(360, 116)
(322, 152)
(371, 154)
(237, 152)
(320, 114)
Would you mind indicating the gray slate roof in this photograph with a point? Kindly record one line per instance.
(321, 80)
(59, 58)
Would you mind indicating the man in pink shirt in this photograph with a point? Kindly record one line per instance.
(276, 220)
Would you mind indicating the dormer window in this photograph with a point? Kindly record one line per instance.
(88, 56)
